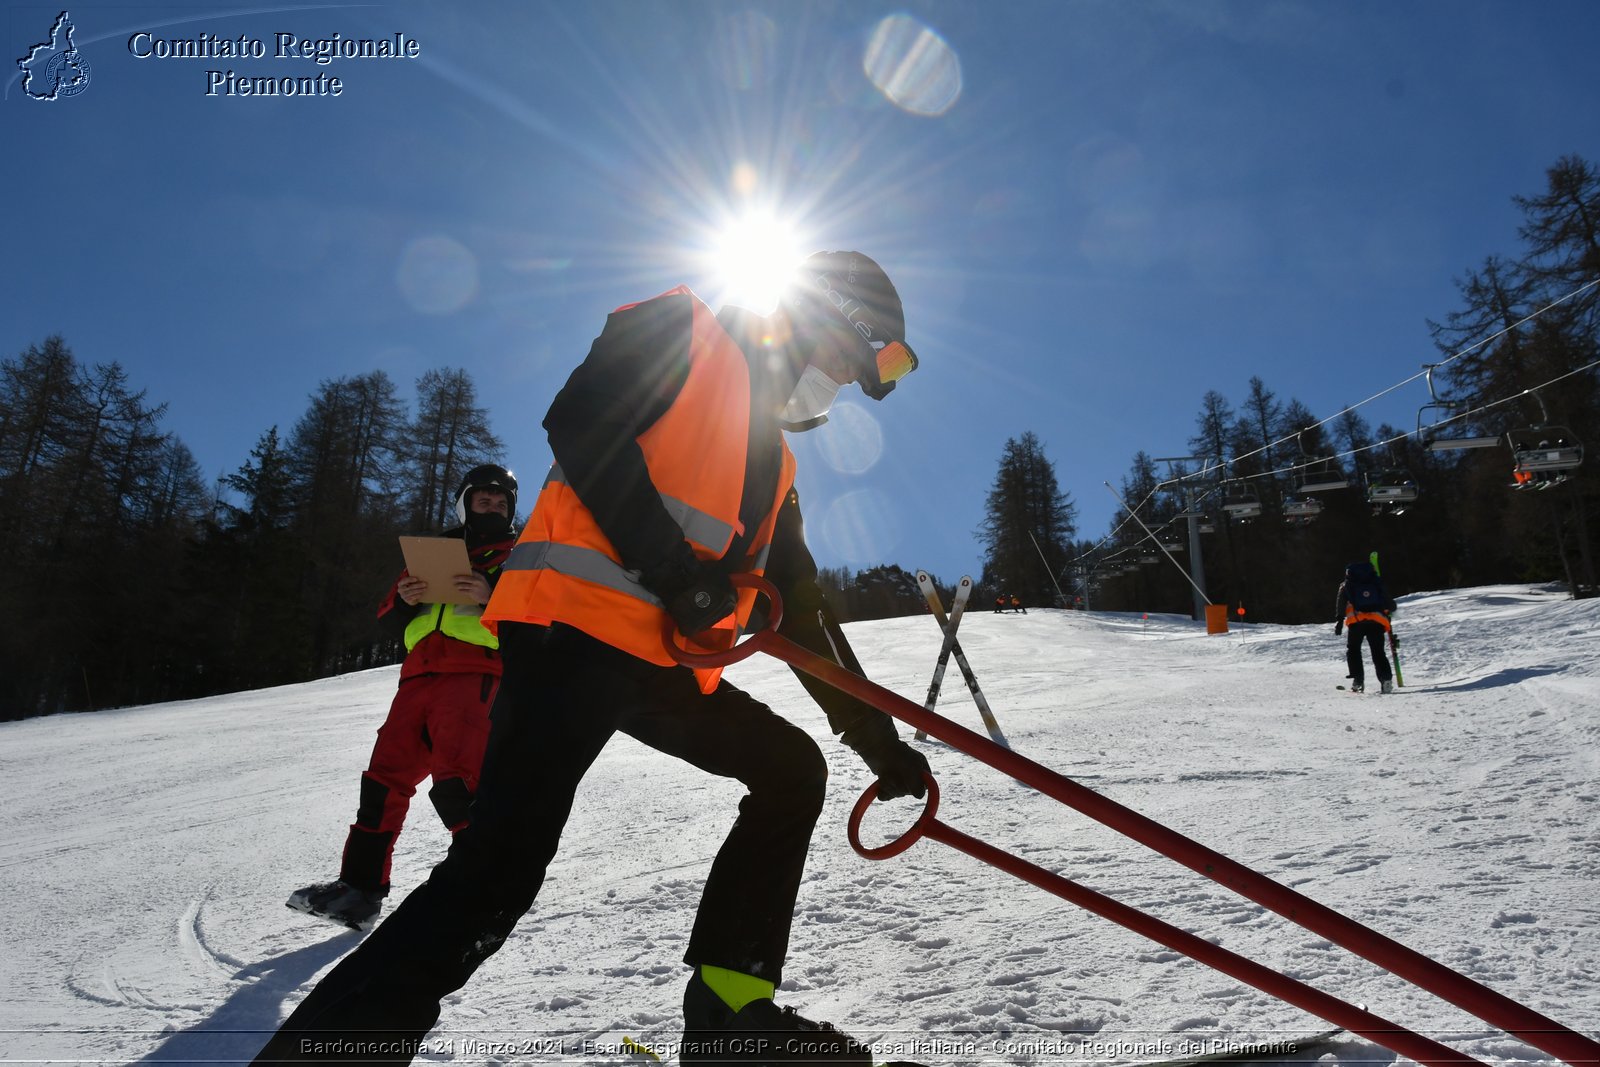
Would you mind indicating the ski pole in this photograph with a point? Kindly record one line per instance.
(1517, 1019)
(951, 647)
(1353, 1018)
(949, 643)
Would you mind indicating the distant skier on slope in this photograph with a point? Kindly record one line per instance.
(438, 723)
(1363, 607)
(671, 474)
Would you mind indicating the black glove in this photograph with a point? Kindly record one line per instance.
(696, 592)
(703, 604)
(898, 767)
(1338, 628)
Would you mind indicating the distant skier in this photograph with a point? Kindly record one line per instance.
(1000, 604)
(1363, 608)
(438, 723)
(1016, 604)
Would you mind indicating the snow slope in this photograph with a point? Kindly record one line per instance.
(148, 851)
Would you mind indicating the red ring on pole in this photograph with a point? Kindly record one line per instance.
(924, 823)
(755, 642)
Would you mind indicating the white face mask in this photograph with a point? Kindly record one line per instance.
(809, 403)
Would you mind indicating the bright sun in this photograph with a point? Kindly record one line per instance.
(751, 259)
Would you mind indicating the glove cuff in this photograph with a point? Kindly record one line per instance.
(871, 735)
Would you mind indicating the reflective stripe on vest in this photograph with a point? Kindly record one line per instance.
(696, 525)
(596, 567)
(464, 622)
(564, 569)
(576, 562)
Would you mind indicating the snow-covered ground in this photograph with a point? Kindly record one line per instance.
(147, 852)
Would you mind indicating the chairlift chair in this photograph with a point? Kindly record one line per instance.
(1203, 520)
(1172, 536)
(1321, 477)
(1543, 455)
(1298, 511)
(1241, 502)
(1431, 441)
(1318, 474)
(1390, 491)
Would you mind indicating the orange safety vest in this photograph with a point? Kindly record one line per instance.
(1352, 616)
(564, 569)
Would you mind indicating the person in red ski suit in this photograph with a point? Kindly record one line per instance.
(438, 723)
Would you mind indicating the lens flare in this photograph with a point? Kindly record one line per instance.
(859, 527)
(913, 66)
(437, 275)
(746, 51)
(752, 258)
(852, 442)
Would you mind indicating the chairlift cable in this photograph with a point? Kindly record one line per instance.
(1223, 465)
(1514, 396)
(1402, 436)
(1445, 362)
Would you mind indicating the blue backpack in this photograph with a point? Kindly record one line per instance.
(1364, 589)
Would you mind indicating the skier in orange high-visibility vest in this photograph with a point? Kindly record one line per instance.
(1363, 607)
(671, 473)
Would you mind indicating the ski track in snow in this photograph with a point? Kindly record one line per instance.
(149, 851)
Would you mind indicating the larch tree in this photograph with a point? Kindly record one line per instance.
(1028, 526)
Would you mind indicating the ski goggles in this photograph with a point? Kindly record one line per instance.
(878, 364)
(891, 362)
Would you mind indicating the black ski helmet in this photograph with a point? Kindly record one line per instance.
(849, 288)
(487, 476)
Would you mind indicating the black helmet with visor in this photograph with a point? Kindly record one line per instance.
(486, 476)
(851, 298)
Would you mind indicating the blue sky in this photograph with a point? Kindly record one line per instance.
(1095, 211)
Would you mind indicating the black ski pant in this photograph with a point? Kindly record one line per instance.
(562, 696)
(1374, 634)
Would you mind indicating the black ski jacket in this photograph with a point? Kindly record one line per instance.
(631, 376)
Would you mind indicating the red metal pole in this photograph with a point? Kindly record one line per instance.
(1523, 1022)
(1342, 1013)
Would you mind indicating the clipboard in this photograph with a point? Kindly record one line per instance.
(437, 560)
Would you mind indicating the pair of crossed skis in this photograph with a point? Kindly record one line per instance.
(952, 647)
